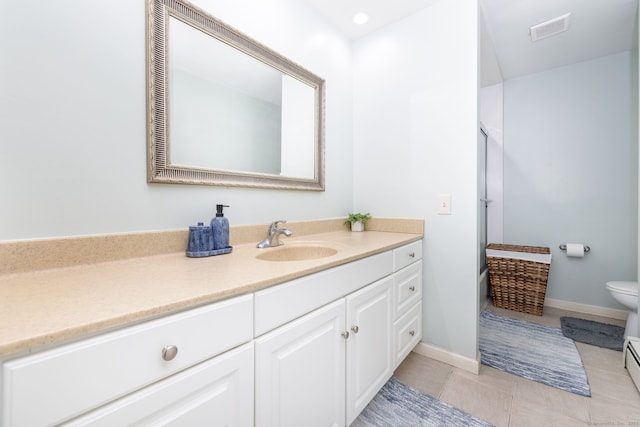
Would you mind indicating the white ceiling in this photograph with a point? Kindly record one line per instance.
(381, 13)
(597, 28)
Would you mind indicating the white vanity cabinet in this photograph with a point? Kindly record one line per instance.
(301, 367)
(322, 367)
(57, 385)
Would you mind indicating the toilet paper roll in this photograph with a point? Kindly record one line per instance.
(575, 250)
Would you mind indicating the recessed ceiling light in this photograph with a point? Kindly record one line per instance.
(360, 18)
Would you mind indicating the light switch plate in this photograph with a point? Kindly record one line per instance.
(444, 204)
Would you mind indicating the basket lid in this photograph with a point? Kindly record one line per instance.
(524, 256)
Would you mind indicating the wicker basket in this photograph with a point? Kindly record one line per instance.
(517, 284)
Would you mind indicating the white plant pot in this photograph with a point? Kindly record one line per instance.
(357, 226)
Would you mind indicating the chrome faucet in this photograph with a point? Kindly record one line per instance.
(272, 235)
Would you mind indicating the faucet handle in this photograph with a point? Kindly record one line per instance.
(274, 225)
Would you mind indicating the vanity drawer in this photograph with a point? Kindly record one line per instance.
(407, 333)
(406, 255)
(407, 289)
(54, 385)
(216, 392)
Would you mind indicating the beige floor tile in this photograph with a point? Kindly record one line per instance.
(533, 415)
(487, 403)
(490, 377)
(530, 395)
(603, 358)
(424, 374)
(607, 411)
(614, 385)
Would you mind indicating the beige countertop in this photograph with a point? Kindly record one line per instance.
(54, 305)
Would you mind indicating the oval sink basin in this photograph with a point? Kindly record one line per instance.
(296, 253)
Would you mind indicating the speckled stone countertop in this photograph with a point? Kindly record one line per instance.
(53, 291)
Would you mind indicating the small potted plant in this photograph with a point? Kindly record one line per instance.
(358, 221)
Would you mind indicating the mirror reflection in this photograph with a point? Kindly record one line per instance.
(244, 116)
(236, 113)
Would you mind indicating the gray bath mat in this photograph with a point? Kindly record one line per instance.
(399, 405)
(533, 351)
(592, 332)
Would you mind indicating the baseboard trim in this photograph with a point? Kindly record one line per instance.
(586, 308)
(453, 359)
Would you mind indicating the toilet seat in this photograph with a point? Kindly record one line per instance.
(627, 288)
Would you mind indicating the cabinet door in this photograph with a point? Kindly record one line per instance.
(369, 347)
(300, 371)
(218, 392)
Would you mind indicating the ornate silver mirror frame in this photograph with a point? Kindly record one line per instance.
(159, 166)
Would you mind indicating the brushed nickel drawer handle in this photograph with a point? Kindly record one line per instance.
(345, 335)
(412, 288)
(355, 329)
(412, 255)
(169, 352)
(412, 333)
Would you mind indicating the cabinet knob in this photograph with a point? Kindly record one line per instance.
(345, 335)
(412, 255)
(355, 329)
(412, 333)
(412, 288)
(169, 352)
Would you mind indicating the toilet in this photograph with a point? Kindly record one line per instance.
(626, 293)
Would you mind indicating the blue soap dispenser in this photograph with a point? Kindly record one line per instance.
(220, 229)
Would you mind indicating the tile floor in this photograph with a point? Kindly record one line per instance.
(508, 400)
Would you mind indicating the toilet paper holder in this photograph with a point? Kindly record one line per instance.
(586, 248)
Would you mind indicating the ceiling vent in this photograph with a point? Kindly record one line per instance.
(550, 28)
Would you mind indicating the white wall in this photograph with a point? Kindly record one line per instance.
(72, 120)
(570, 172)
(415, 127)
(490, 73)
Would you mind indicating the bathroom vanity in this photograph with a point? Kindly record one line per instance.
(358, 324)
(280, 348)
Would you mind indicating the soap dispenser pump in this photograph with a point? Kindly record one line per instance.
(220, 229)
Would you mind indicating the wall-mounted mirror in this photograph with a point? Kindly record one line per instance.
(225, 110)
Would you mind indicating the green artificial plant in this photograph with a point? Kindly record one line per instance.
(358, 217)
